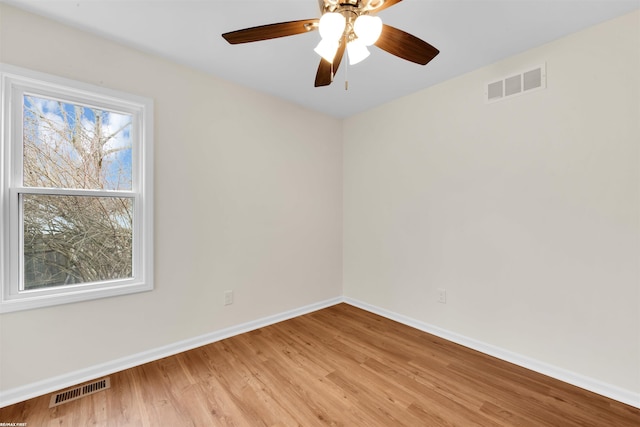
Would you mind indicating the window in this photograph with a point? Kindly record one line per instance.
(76, 191)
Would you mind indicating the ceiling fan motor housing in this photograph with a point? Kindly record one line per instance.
(355, 6)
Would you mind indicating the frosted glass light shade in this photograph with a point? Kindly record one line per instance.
(357, 51)
(327, 49)
(332, 26)
(368, 29)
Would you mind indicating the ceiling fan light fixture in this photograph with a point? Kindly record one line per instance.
(368, 28)
(327, 49)
(357, 51)
(332, 26)
(340, 38)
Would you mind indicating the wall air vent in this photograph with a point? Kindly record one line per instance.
(517, 84)
(80, 391)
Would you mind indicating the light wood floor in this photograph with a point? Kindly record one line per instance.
(340, 366)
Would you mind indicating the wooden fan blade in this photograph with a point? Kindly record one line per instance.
(324, 76)
(405, 46)
(387, 4)
(271, 31)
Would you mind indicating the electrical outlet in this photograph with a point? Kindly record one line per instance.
(228, 297)
(442, 296)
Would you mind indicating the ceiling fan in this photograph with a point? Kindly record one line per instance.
(349, 25)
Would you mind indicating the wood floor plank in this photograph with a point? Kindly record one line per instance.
(340, 366)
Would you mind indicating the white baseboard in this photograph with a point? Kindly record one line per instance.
(40, 388)
(590, 384)
(19, 394)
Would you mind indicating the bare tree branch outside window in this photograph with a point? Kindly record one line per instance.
(72, 239)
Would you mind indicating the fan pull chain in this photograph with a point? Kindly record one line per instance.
(346, 72)
(346, 76)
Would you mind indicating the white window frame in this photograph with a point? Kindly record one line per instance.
(15, 82)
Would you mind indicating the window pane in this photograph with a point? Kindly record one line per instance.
(74, 146)
(76, 239)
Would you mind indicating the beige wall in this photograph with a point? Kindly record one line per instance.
(248, 197)
(527, 211)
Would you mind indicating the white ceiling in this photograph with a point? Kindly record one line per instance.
(468, 33)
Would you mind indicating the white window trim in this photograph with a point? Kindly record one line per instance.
(14, 82)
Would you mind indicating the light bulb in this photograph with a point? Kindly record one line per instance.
(327, 49)
(368, 28)
(332, 26)
(357, 51)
